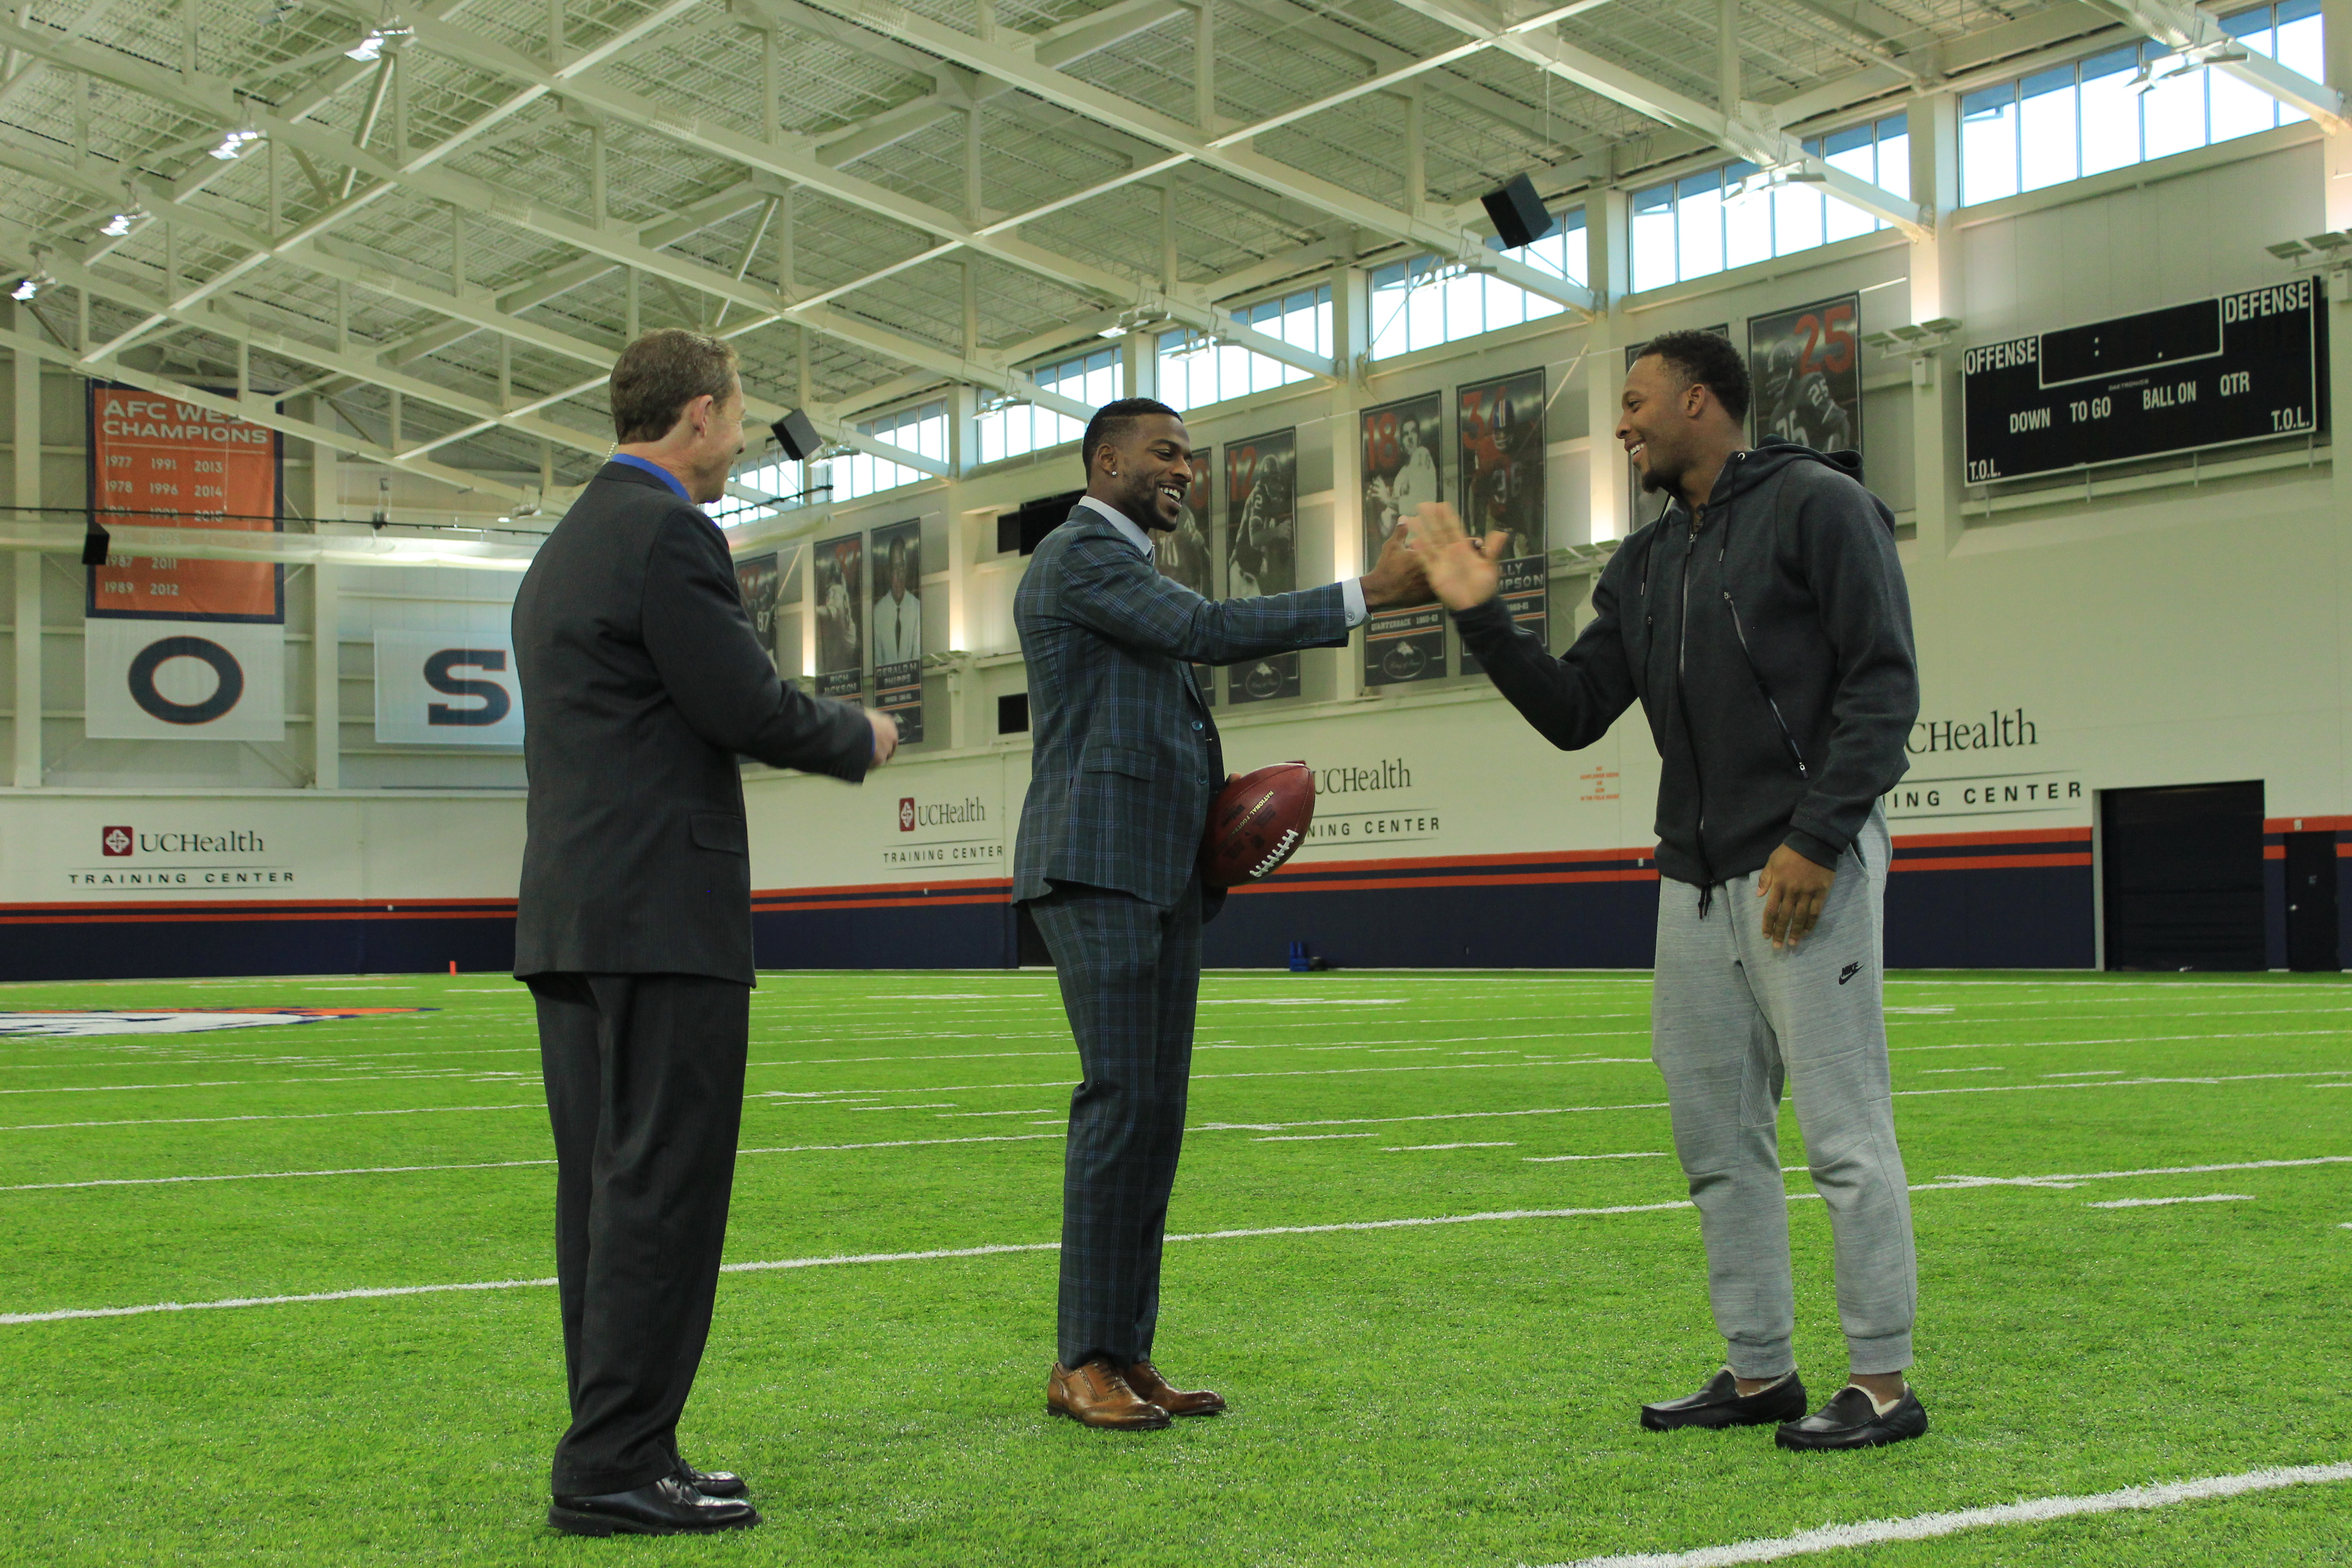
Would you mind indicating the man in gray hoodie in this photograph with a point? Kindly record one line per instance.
(1762, 622)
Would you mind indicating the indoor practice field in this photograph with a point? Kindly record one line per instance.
(2132, 1200)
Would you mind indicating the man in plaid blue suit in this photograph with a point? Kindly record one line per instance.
(1125, 765)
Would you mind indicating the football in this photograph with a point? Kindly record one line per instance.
(1259, 821)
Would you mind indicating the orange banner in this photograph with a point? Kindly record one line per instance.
(158, 462)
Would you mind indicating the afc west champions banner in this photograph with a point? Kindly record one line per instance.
(1261, 548)
(447, 687)
(1401, 475)
(897, 617)
(1500, 425)
(1184, 554)
(840, 587)
(177, 648)
(1806, 368)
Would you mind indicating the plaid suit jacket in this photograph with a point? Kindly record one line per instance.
(1125, 757)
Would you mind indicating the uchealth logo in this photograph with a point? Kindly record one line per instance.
(906, 814)
(114, 840)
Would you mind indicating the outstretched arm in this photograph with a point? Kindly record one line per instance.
(1572, 699)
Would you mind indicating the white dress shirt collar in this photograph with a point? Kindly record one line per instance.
(1119, 520)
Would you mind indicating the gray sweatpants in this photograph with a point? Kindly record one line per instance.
(1730, 1020)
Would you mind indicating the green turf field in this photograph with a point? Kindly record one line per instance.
(1408, 1393)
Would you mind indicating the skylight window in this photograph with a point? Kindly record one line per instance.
(1423, 302)
(1196, 371)
(1736, 215)
(1009, 428)
(2128, 105)
(922, 430)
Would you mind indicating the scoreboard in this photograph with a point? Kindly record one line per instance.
(2243, 367)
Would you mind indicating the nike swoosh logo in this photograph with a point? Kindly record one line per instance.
(1848, 973)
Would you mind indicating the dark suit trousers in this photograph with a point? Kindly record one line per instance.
(645, 1087)
(1130, 975)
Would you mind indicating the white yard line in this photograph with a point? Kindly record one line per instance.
(1961, 1183)
(1425, 1116)
(285, 1116)
(2160, 1203)
(2123, 1040)
(1929, 1526)
(1557, 1159)
(1310, 1137)
(1423, 1148)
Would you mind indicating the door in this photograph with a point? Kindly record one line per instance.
(2181, 870)
(2311, 929)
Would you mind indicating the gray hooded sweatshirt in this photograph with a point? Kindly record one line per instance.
(1769, 640)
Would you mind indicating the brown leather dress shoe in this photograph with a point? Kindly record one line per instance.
(1097, 1396)
(1145, 1379)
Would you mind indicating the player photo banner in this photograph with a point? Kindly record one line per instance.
(760, 582)
(841, 616)
(1183, 555)
(157, 462)
(1262, 549)
(1401, 475)
(1643, 506)
(1500, 425)
(897, 620)
(1807, 375)
(146, 679)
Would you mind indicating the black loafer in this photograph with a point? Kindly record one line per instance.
(1850, 1420)
(1720, 1403)
(667, 1507)
(713, 1483)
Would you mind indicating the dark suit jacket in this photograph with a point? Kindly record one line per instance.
(641, 681)
(1125, 759)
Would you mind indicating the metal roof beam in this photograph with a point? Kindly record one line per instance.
(1228, 150)
(479, 310)
(208, 317)
(800, 159)
(211, 95)
(1534, 40)
(2191, 33)
(263, 414)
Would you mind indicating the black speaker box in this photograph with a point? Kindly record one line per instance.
(1025, 527)
(1517, 213)
(796, 435)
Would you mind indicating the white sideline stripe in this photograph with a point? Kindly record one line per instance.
(69, 1313)
(1310, 1137)
(2160, 1203)
(1420, 1148)
(1928, 1526)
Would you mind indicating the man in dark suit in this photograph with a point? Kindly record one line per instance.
(644, 681)
(1125, 766)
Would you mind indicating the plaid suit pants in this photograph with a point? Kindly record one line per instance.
(1130, 975)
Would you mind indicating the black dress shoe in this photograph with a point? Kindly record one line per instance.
(667, 1507)
(1720, 1403)
(713, 1483)
(1851, 1420)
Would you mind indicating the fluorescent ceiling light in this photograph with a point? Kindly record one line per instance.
(233, 145)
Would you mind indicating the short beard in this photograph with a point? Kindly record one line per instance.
(1654, 481)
